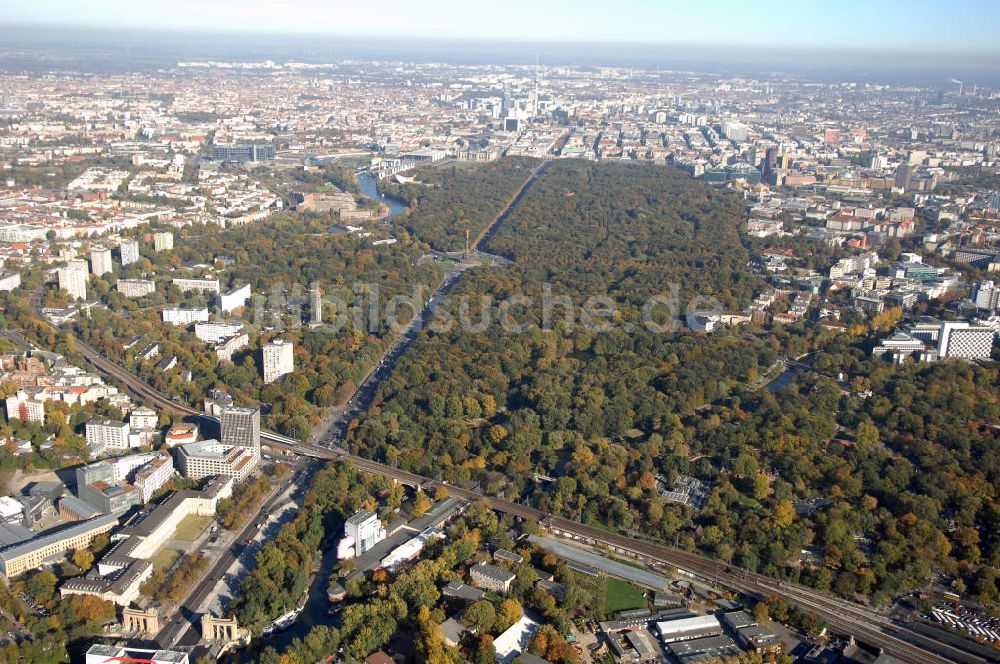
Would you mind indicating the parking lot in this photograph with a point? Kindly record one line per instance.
(965, 619)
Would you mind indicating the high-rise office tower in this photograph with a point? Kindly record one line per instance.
(904, 175)
(73, 278)
(163, 241)
(278, 359)
(241, 427)
(129, 251)
(315, 306)
(769, 165)
(100, 260)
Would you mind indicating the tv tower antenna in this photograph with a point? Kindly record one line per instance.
(535, 101)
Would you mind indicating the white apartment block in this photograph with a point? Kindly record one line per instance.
(986, 295)
(141, 438)
(234, 299)
(123, 467)
(854, 264)
(21, 233)
(224, 349)
(201, 285)
(108, 436)
(133, 288)
(184, 316)
(129, 251)
(73, 279)
(278, 360)
(148, 472)
(22, 406)
(215, 332)
(163, 241)
(143, 418)
(153, 475)
(10, 281)
(29, 404)
(100, 260)
(148, 353)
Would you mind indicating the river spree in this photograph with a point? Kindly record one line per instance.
(369, 187)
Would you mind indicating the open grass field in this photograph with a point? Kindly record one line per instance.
(191, 527)
(165, 559)
(621, 596)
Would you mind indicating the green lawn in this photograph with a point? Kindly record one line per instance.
(621, 596)
(191, 527)
(164, 559)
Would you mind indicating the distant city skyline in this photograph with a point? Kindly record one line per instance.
(960, 26)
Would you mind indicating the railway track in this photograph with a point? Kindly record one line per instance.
(133, 382)
(843, 617)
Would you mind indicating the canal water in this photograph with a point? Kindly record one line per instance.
(369, 187)
(315, 610)
(791, 371)
(781, 381)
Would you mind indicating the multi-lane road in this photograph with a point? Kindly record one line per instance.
(362, 398)
(185, 623)
(853, 619)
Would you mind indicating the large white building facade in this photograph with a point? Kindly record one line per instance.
(134, 288)
(129, 252)
(107, 436)
(100, 260)
(932, 340)
(207, 458)
(278, 360)
(73, 279)
(184, 316)
(234, 299)
(163, 241)
(213, 333)
(366, 529)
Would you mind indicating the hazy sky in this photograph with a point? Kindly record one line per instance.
(938, 25)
